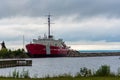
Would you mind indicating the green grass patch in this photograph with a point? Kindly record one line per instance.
(66, 78)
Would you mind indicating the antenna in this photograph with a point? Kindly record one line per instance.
(23, 41)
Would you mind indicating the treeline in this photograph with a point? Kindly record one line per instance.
(7, 53)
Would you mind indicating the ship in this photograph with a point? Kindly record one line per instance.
(47, 46)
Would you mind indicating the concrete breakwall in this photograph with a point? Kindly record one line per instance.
(74, 53)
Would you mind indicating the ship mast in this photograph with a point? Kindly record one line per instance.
(49, 26)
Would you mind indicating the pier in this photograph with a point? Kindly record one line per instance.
(4, 63)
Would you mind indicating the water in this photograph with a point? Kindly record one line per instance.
(97, 51)
(55, 66)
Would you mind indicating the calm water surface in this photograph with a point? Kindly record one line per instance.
(42, 67)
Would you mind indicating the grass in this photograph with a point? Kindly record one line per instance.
(65, 78)
(103, 73)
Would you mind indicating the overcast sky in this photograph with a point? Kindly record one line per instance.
(76, 21)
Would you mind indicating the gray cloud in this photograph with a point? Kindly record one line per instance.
(84, 8)
(71, 11)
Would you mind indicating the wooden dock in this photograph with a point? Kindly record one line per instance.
(14, 63)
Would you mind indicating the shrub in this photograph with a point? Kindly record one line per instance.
(85, 72)
(23, 74)
(104, 70)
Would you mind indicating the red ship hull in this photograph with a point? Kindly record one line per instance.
(39, 50)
